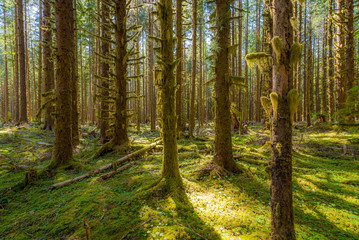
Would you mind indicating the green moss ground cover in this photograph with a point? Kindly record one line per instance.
(325, 177)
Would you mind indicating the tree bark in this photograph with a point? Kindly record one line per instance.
(350, 62)
(105, 68)
(150, 75)
(282, 223)
(194, 69)
(167, 86)
(223, 156)
(331, 61)
(48, 64)
(6, 90)
(64, 15)
(39, 92)
(21, 50)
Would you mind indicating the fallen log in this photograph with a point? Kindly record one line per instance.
(180, 153)
(112, 173)
(108, 166)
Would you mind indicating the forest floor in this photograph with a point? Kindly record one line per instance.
(325, 189)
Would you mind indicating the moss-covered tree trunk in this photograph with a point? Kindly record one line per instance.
(150, 74)
(64, 15)
(74, 91)
(48, 64)
(324, 100)
(223, 156)
(194, 68)
(299, 64)
(105, 68)
(179, 55)
(120, 138)
(282, 223)
(330, 60)
(245, 100)
(200, 82)
(350, 62)
(40, 84)
(257, 106)
(309, 81)
(21, 59)
(16, 69)
(340, 59)
(167, 86)
(6, 89)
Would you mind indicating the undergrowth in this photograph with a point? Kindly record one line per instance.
(325, 189)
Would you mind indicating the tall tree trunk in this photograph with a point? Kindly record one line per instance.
(245, 105)
(65, 45)
(167, 87)
(257, 111)
(305, 80)
(282, 223)
(105, 68)
(200, 84)
(74, 83)
(21, 57)
(324, 109)
(350, 61)
(48, 65)
(6, 90)
(194, 68)
(138, 79)
(27, 63)
(340, 59)
(240, 38)
(223, 156)
(309, 81)
(39, 92)
(317, 91)
(120, 139)
(299, 65)
(331, 60)
(16, 67)
(150, 75)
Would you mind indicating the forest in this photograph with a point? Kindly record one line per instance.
(179, 119)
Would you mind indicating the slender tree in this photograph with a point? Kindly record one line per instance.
(282, 223)
(105, 67)
(194, 68)
(223, 156)
(179, 56)
(48, 65)
(6, 91)
(330, 60)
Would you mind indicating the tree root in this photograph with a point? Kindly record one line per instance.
(213, 170)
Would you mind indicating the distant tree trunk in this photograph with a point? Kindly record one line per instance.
(150, 76)
(331, 61)
(257, 115)
(39, 92)
(223, 156)
(64, 15)
(309, 82)
(240, 38)
(324, 109)
(138, 79)
(299, 65)
(48, 65)
(200, 84)
(21, 57)
(105, 68)
(350, 61)
(167, 87)
(27, 63)
(194, 68)
(305, 80)
(282, 223)
(6, 90)
(245, 105)
(340, 58)
(317, 91)
(16, 68)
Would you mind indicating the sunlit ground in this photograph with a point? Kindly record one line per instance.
(325, 177)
